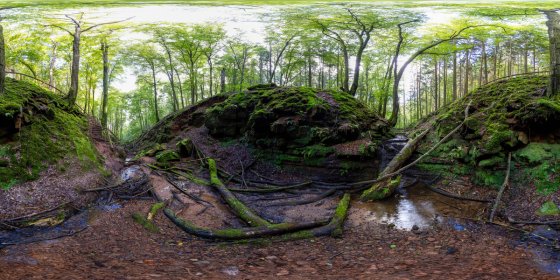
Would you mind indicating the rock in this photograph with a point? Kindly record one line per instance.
(185, 147)
(415, 228)
(451, 250)
(231, 270)
(523, 138)
(283, 272)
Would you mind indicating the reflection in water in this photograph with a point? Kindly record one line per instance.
(418, 207)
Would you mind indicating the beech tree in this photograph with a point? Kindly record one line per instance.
(79, 27)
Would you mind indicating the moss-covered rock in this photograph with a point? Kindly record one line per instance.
(185, 147)
(549, 208)
(303, 123)
(37, 130)
(167, 156)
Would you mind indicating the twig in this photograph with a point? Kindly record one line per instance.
(454, 196)
(501, 192)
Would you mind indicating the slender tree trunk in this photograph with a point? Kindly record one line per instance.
(75, 72)
(155, 92)
(445, 81)
(105, 54)
(2, 61)
(496, 52)
(454, 97)
(180, 84)
(52, 64)
(467, 72)
(553, 24)
(211, 77)
(223, 80)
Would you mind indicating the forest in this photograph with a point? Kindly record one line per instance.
(316, 139)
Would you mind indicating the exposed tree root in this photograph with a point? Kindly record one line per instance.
(242, 211)
(300, 201)
(241, 233)
(454, 196)
(501, 192)
(284, 231)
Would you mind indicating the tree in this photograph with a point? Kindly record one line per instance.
(79, 29)
(553, 24)
(453, 36)
(2, 54)
(351, 30)
(146, 56)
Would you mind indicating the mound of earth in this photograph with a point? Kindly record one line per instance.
(283, 126)
(508, 116)
(47, 153)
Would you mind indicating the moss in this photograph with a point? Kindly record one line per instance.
(167, 156)
(154, 209)
(492, 162)
(493, 179)
(381, 190)
(554, 105)
(545, 177)
(536, 153)
(145, 223)
(50, 134)
(549, 208)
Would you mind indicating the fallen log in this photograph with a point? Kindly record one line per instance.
(239, 233)
(284, 231)
(239, 208)
(386, 184)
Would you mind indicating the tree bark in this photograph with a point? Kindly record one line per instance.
(155, 91)
(105, 54)
(2, 62)
(75, 70)
(553, 24)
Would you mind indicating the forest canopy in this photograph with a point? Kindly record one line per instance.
(404, 61)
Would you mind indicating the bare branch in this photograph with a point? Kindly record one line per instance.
(106, 23)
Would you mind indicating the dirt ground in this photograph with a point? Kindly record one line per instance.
(114, 247)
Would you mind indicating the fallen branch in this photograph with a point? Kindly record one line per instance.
(501, 192)
(242, 211)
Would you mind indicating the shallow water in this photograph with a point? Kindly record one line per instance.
(420, 207)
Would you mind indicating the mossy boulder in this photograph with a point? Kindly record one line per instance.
(38, 130)
(549, 208)
(298, 121)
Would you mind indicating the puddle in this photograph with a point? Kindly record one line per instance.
(420, 207)
(545, 253)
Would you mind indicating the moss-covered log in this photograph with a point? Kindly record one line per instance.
(386, 187)
(284, 231)
(240, 209)
(239, 233)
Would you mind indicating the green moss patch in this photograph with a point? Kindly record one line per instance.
(37, 131)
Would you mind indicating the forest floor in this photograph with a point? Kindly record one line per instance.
(113, 246)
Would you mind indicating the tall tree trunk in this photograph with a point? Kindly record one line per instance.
(105, 54)
(75, 72)
(52, 64)
(455, 76)
(155, 91)
(553, 24)
(467, 72)
(2, 61)
(211, 77)
(192, 77)
(445, 81)
(223, 80)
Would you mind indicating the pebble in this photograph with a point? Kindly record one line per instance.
(283, 272)
(231, 270)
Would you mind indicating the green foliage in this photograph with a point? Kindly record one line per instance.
(51, 135)
(487, 178)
